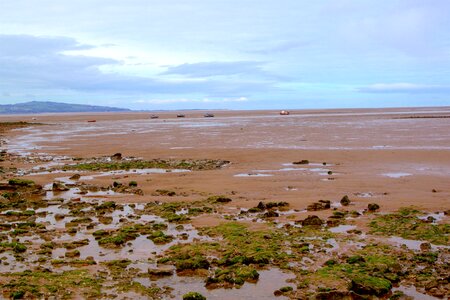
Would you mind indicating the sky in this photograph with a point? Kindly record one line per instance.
(226, 54)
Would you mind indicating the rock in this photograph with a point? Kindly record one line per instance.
(325, 203)
(369, 285)
(432, 284)
(335, 295)
(59, 187)
(301, 162)
(160, 271)
(345, 201)
(117, 156)
(193, 295)
(277, 293)
(312, 221)
(261, 205)
(271, 214)
(220, 199)
(429, 219)
(320, 205)
(75, 177)
(372, 207)
(447, 212)
(438, 293)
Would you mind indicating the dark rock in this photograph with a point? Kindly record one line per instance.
(59, 187)
(160, 272)
(277, 293)
(333, 222)
(117, 156)
(271, 214)
(355, 259)
(372, 207)
(320, 205)
(75, 177)
(312, 221)
(261, 206)
(429, 219)
(425, 247)
(325, 203)
(345, 201)
(222, 199)
(301, 162)
(336, 295)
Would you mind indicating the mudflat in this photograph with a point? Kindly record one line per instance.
(303, 164)
(374, 155)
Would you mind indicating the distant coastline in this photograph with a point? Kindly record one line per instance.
(37, 107)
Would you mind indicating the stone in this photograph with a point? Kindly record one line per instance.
(372, 207)
(59, 187)
(271, 214)
(369, 285)
(312, 221)
(345, 201)
(75, 177)
(301, 162)
(117, 156)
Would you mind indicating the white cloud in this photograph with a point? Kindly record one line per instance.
(403, 87)
(185, 100)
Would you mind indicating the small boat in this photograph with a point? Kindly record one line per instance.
(208, 115)
(154, 117)
(180, 116)
(284, 113)
(92, 121)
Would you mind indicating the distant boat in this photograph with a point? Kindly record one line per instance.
(284, 113)
(92, 121)
(208, 115)
(180, 116)
(154, 117)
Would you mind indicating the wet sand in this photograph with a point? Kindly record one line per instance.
(381, 156)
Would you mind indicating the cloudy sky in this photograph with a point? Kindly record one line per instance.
(236, 54)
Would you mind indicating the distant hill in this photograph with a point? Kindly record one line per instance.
(35, 107)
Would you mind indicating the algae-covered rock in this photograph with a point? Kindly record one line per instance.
(369, 285)
(312, 221)
(193, 296)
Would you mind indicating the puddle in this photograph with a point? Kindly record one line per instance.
(341, 228)
(269, 281)
(396, 174)
(436, 216)
(414, 244)
(252, 175)
(412, 292)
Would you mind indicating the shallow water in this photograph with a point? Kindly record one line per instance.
(269, 281)
(412, 292)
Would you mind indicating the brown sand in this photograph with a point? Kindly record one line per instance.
(361, 145)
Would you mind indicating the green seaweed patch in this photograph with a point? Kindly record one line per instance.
(147, 164)
(13, 246)
(21, 182)
(232, 277)
(64, 285)
(193, 296)
(152, 292)
(159, 237)
(25, 213)
(407, 224)
(248, 247)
